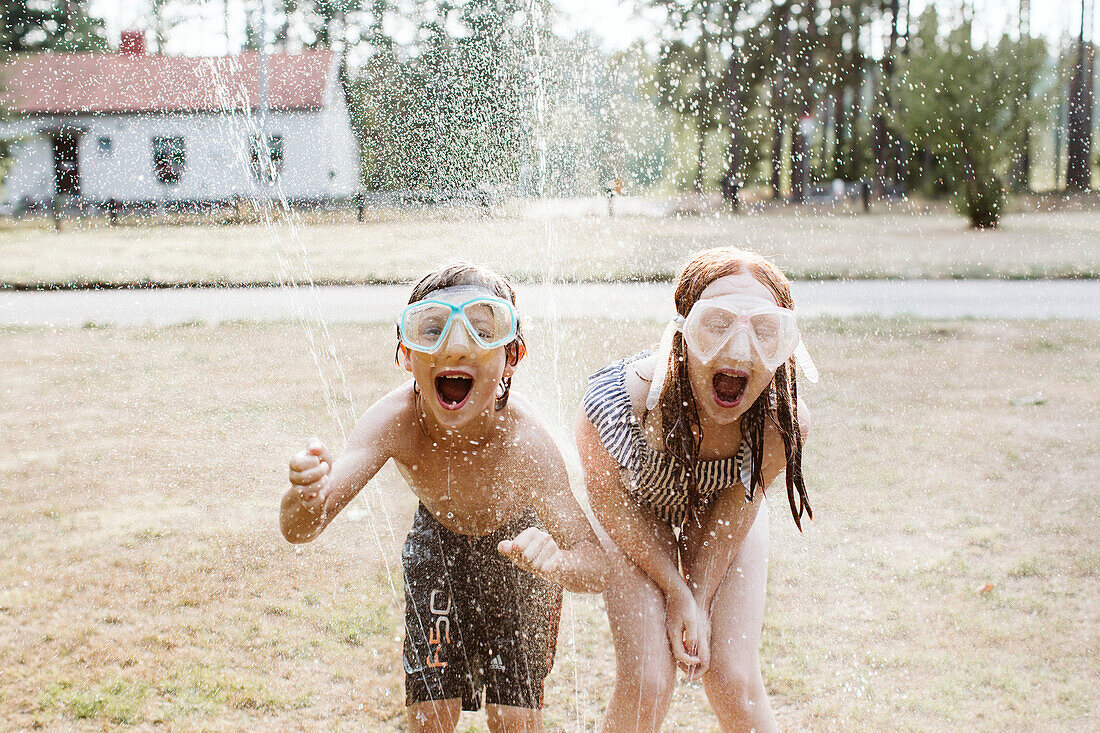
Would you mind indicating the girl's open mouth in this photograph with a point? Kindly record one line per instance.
(729, 388)
(453, 389)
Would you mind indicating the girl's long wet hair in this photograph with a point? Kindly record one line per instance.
(680, 424)
(464, 273)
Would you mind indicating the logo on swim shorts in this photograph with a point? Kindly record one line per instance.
(440, 633)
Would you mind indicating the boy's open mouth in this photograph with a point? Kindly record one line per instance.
(729, 388)
(453, 389)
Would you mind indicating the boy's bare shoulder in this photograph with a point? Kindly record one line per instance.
(530, 436)
(390, 416)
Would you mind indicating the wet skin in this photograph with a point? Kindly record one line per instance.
(683, 587)
(474, 467)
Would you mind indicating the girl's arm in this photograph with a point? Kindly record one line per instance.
(645, 540)
(307, 508)
(711, 546)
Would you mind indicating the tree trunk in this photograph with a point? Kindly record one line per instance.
(731, 180)
(857, 157)
(700, 164)
(828, 130)
(777, 156)
(887, 148)
(1020, 173)
(1079, 134)
(1059, 136)
(800, 145)
(840, 133)
(779, 101)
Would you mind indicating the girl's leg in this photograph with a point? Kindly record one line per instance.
(510, 719)
(645, 673)
(437, 716)
(733, 683)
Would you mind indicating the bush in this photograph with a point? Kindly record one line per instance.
(982, 200)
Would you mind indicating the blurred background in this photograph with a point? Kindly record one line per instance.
(210, 215)
(734, 101)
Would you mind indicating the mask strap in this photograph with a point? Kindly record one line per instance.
(660, 369)
(804, 362)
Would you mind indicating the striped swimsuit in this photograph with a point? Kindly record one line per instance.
(653, 478)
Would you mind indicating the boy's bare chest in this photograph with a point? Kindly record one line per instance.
(469, 491)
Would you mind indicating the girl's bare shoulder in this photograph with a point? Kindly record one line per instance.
(638, 378)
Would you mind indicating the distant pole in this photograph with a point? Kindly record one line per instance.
(263, 66)
(263, 151)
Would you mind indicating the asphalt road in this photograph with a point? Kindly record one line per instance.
(1008, 299)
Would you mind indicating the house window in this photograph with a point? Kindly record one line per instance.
(266, 168)
(105, 146)
(168, 159)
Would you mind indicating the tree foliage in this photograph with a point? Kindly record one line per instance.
(963, 103)
(45, 25)
(447, 111)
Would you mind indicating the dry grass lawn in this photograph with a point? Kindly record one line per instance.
(948, 582)
(401, 246)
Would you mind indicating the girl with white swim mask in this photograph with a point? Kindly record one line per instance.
(678, 447)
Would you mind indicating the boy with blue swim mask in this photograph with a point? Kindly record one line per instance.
(498, 532)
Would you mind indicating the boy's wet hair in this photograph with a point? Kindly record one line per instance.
(679, 413)
(465, 273)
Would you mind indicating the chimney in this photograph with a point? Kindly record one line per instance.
(132, 43)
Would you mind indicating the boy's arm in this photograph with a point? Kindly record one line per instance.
(302, 515)
(569, 553)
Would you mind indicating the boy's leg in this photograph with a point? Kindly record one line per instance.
(521, 616)
(439, 716)
(510, 719)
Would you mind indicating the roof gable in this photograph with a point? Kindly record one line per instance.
(53, 83)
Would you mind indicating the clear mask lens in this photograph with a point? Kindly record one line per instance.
(424, 326)
(768, 331)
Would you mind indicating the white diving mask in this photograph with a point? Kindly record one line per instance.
(749, 322)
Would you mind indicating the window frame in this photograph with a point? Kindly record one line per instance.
(169, 159)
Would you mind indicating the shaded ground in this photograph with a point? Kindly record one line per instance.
(949, 580)
(402, 246)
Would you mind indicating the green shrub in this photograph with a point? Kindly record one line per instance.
(982, 200)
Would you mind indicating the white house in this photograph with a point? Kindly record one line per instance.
(137, 128)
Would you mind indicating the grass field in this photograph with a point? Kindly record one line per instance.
(401, 246)
(948, 582)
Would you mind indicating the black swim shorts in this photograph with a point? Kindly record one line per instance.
(474, 621)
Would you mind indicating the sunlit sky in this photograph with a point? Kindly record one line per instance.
(617, 23)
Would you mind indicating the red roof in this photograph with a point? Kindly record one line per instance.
(62, 83)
